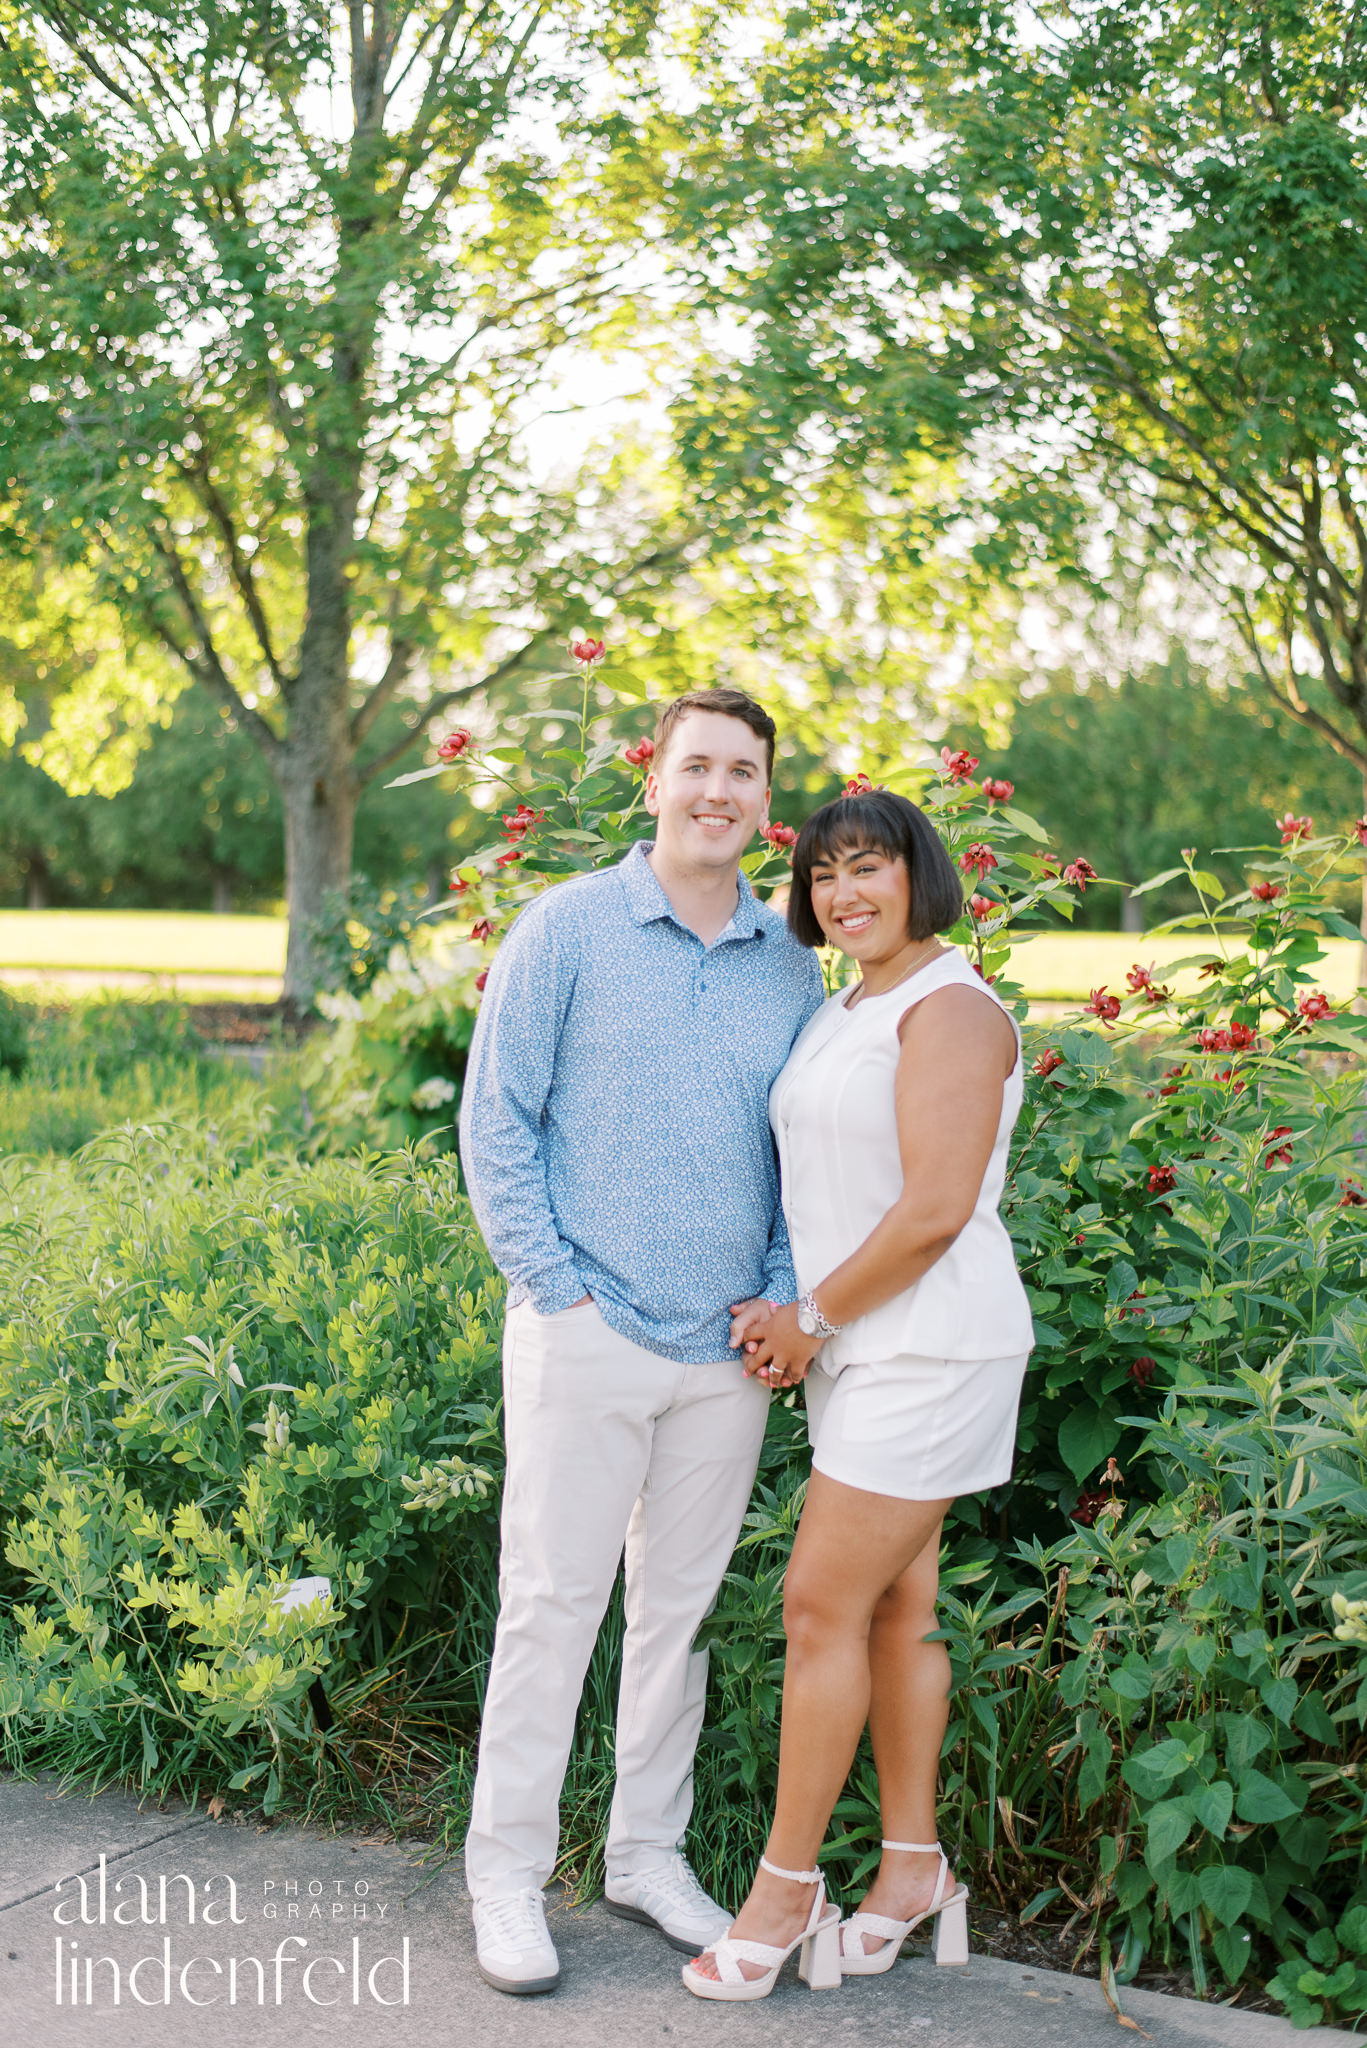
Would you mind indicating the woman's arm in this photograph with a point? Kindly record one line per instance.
(957, 1050)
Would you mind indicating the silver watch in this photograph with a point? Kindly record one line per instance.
(810, 1320)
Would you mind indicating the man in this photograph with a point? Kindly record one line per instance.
(616, 1144)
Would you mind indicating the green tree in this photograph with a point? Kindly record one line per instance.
(283, 289)
(1114, 252)
(1129, 769)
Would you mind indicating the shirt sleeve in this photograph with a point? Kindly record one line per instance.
(507, 1082)
(780, 1280)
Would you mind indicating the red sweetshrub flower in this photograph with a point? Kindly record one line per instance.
(482, 930)
(1211, 1040)
(1079, 873)
(1227, 1074)
(481, 978)
(1089, 1506)
(980, 857)
(988, 978)
(506, 860)
(641, 754)
(454, 745)
(1138, 1296)
(586, 652)
(458, 885)
(1242, 1038)
(859, 785)
(1142, 1371)
(1162, 1180)
(1173, 1076)
(1104, 1006)
(1281, 1153)
(1139, 977)
(1352, 1196)
(1315, 1006)
(1048, 865)
(516, 824)
(983, 906)
(1265, 891)
(1211, 969)
(1050, 1058)
(959, 763)
(780, 836)
(1293, 828)
(1359, 829)
(998, 792)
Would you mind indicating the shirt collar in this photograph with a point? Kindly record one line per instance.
(648, 902)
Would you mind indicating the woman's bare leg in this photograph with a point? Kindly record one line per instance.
(850, 1548)
(908, 1714)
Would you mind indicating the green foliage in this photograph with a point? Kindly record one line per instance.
(1113, 256)
(252, 1372)
(14, 1034)
(390, 1070)
(1130, 764)
(113, 1060)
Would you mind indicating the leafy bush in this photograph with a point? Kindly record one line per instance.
(359, 931)
(218, 1374)
(111, 1060)
(14, 1034)
(389, 1072)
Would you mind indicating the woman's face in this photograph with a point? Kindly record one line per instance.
(862, 901)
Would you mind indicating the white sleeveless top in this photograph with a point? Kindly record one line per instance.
(834, 1121)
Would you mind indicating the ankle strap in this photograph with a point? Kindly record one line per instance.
(795, 1876)
(924, 1848)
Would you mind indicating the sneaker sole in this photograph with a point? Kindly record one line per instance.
(525, 1987)
(676, 1941)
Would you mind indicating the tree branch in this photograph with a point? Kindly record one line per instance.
(208, 666)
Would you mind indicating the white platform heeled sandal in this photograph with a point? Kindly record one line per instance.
(818, 1966)
(950, 1942)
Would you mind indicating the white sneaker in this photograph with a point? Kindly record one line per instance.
(514, 1950)
(669, 1898)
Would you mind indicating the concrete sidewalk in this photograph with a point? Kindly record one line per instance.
(322, 1938)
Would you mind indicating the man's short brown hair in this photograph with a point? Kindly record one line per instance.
(731, 704)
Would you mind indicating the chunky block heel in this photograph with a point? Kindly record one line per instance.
(951, 1932)
(819, 1963)
(948, 1906)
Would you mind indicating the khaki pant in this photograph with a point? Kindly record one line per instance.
(607, 1443)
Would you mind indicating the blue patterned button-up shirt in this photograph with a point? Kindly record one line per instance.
(614, 1127)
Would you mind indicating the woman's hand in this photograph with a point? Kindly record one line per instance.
(776, 1350)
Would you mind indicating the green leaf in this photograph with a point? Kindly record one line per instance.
(1086, 1438)
(1209, 884)
(1131, 1683)
(1233, 1951)
(1312, 1717)
(1169, 1824)
(1214, 1804)
(1352, 1930)
(1258, 1799)
(1226, 1891)
(1279, 1695)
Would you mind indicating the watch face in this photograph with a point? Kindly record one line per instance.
(806, 1322)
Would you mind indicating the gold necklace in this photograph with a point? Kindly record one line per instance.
(925, 953)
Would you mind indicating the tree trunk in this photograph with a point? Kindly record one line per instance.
(1131, 913)
(223, 893)
(36, 882)
(320, 816)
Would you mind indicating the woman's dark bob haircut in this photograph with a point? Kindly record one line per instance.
(877, 822)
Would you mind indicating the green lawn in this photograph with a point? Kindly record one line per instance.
(246, 955)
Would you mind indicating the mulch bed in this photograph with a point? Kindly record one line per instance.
(252, 1023)
(1041, 1947)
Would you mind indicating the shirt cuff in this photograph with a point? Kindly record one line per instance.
(780, 1284)
(560, 1288)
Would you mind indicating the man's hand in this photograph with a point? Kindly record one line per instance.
(747, 1317)
(776, 1350)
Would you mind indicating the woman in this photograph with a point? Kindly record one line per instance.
(893, 1117)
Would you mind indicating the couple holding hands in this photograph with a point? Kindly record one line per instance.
(704, 1182)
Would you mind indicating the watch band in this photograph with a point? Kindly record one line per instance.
(824, 1329)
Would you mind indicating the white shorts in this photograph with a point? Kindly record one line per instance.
(916, 1428)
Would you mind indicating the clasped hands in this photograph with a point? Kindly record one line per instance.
(775, 1349)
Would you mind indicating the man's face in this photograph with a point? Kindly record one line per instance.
(710, 793)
